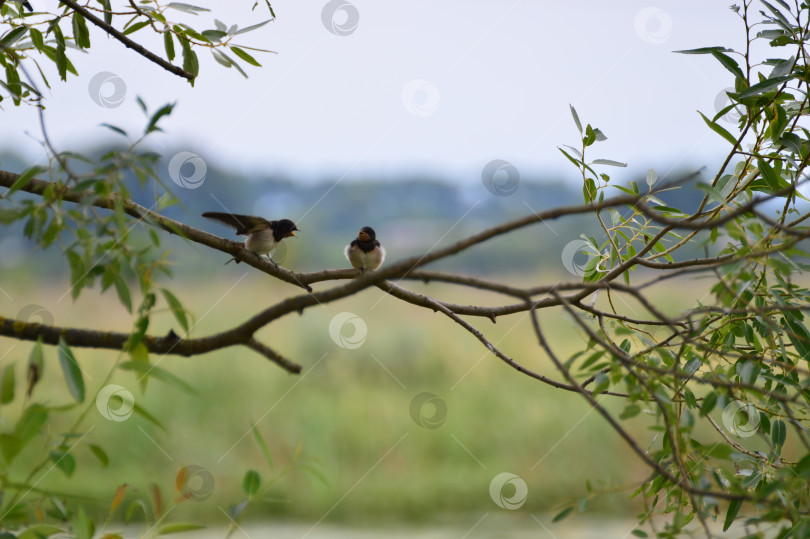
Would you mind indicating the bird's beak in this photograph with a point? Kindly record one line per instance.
(292, 232)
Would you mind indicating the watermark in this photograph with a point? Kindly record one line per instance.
(722, 100)
(573, 254)
(279, 253)
(653, 25)
(32, 310)
(741, 418)
(107, 89)
(187, 170)
(420, 98)
(501, 178)
(429, 411)
(193, 482)
(508, 491)
(357, 333)
(115, 403)
(340, 17)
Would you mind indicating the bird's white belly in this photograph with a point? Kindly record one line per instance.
(261, 242)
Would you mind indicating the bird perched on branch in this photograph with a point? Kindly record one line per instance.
(261, 235)
(365, 252)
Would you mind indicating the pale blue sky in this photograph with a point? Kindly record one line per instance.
(435, 87)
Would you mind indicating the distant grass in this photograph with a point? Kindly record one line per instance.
(349, 409)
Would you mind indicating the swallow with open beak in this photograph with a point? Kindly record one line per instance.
(365, 252)
(261, 235)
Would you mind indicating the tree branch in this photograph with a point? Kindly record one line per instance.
(152, 57)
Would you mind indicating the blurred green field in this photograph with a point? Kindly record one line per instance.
(349, 409)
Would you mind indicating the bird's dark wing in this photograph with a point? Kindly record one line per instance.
(244, 224)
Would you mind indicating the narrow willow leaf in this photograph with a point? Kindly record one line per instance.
(71, 371)
(251, 483)
(576, 118)
(262, 446)
(177, 308)
(608, 162)
(7, 384)
(714, 126)
(245, 56)
(731, 514)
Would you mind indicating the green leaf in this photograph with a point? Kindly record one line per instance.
(798, 336)
(168, 43)
(251, 28)
(12, 36)
(221, 58)
(100, 454)
(36, 364)
(245, 56)
(762, 87)
(115, 128)
(214, 35)
(719, 129)
(188, 8)
(135, 27)
(731, 514)
(778, 433)
(709, 401)
(262, 446)
(190, 61)
(251, 483)
(576, 118)
(178, 527)
(78, 274)
(608, 162)
(29, 425)
(176, 307)
(165, 110)
(768, 174)
(562, 514)
(107, 10)
(161, 374)
(122, 288)
(704, 50)
(147, 416)
(24, 179)
(81, 35)
(64, 461)
(83, 526)
(7, 384)
(729, 64)
(631, 410)
(71, 371)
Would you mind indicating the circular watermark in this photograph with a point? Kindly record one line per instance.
(187, 170)
(358, 332)
(508, 491)
(340, 17)
(501, 178)
(722, 100)
(115, 403)
(741, 418)
(32, 310)
(107, 89)
(572, 255)
(194, 482)
(428, 410)
(420, 98)
(653, 25)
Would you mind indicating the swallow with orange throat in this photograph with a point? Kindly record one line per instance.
(365, 252)
(261, 236)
